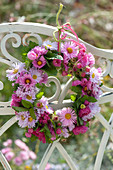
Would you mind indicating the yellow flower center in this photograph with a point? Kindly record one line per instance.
(49, 45)
(70, 50)
(34, 76)
(27, 81)
(27, 167)
(46, 107)
(68, 116)
(85, 88)
(22, 117)
(30, 119)
(93, 75)
(28, 97)
(15, 71)
(39, 63)
(36, 55)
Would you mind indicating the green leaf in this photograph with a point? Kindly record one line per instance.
(85, 97)
(53, 123)
(50, 70)
(77, 89)
(91, 99)
(27, 104)
(39, 95)
(47, 131)
(16, 85)
(32, 113)
(33, 138)
(19, 109)
(88, 98)
(51, 56)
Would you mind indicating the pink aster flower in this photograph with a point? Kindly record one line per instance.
(27, 93)
(39, 62)
(94, 107)
(64, 133)
(39, 51)
(9, 155)
(30, 94)
(17, 68)
(5, 150)
(16, 98)
(14, 103)
(83, 59)
(25, 120)
(66, 116)
(42, 106)
(32, 55)
(24, 155)
(7, 143)
(21, 145)
(50, 45)
(32, 155)
(18, 161)
(44, 78)
(69, 49)
(57, 62)
(36, 74)
(95, 76)
(91, 60)
(26, 80)
(80, 129)
(76, 83)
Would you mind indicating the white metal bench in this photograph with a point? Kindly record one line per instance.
(12, 30)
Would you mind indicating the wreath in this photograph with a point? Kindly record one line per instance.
(70, 59)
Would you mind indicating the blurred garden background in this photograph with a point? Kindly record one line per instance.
(93, 22)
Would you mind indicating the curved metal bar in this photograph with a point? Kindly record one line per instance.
(48, 30)
(47, 156)
(7, 125)
(103, 144)
(108, 67)
(64, 91)
(3, 45)
(31, 35)
(4, 162)
(66, 156)
(58, 88)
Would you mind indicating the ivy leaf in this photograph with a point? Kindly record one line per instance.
(19, 109)
(51, 56)
(91, 99)
(32, 113)
(27, 104)
(39, 95)
(85, 97)
(77, 89)
(88, 98)
(50, 70)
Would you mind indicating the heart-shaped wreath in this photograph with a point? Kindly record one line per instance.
(68, 58)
